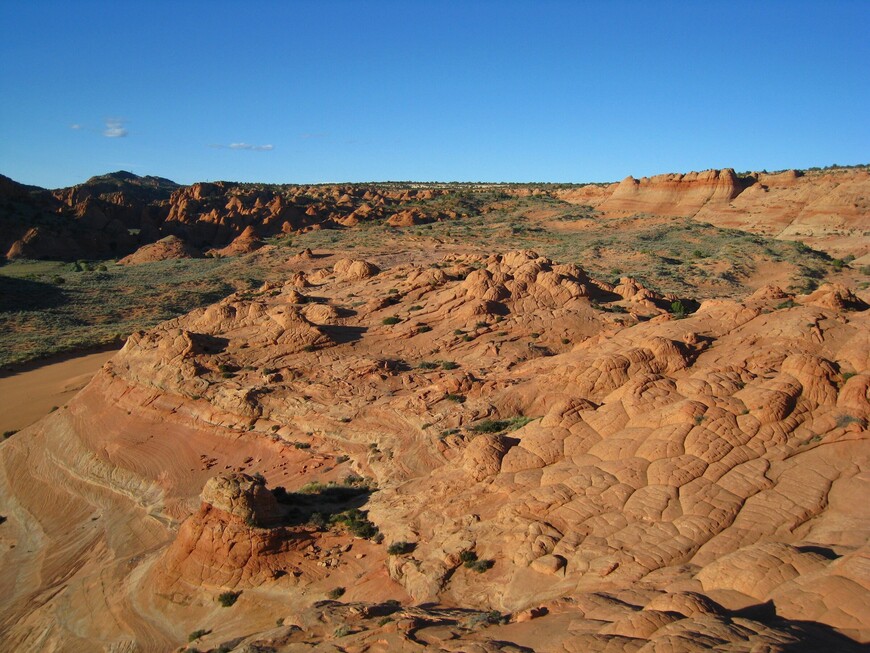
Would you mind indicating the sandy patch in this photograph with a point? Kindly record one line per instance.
(30, 394)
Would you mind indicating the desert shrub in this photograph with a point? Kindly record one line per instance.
(318, 521)
(844, 420)
(499, 425)
(424, 328)
(197, 634)
(788, 303)
(312, 487)
(459, 399)
(485, 619)
(357, 522)
(226, 599)
(302, 445)
(490, 426)
(10, 433)
(449, 365)
(416, 307)
(395, 319)
(336, 593)
(678, 310)
(399, 548)
(467, 557)
(481, 566)
(427, 365)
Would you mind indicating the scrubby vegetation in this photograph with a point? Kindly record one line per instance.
(48, 307)
(227, 599)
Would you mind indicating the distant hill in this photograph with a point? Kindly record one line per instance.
(112, 215)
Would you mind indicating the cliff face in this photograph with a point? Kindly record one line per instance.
(826, 209)
(674, 194)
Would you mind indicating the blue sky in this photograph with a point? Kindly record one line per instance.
(365, 90)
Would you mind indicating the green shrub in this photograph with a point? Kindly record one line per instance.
(395, 319)
(499, 425)
(427, 365)
(449, 365)
(318, 521)
(399, 548)
(459, 399)
(480, 566)
(357, 522)
(226, 599)
(678, 310)
(197, 634)
(336, 593)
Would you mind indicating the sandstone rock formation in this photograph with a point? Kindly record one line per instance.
(554, 476)
(170, 247)
(112, 215)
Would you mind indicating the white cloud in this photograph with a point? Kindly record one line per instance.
(114, 128)
(75, 125)
(247, 146)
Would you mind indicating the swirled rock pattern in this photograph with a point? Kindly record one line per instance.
(554, 476)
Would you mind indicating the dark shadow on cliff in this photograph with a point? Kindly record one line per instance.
(810, 636)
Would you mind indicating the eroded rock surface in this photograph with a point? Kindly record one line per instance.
(553, 475)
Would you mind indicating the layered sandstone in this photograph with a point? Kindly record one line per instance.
(614, 480)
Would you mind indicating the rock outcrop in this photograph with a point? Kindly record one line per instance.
(170, 247)
(623, 480)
